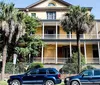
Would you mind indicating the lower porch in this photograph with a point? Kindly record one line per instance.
(60, 53)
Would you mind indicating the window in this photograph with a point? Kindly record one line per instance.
(51, 71)
(51, 15)
(33, 14)
(51, 4)
(87, 73)
(32, 72)
(96, 72)
(42, 71)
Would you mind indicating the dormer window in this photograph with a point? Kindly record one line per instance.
(51, 4)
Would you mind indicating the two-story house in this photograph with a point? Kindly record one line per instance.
(59, 44)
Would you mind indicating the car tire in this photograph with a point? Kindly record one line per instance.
(49, 82)
(75, 83)
(15, 82)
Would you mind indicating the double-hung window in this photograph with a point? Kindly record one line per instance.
(51, 15)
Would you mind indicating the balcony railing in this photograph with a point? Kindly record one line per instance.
(67, 36)
(64, 60)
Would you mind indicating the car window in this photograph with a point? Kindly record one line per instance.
(51, 71)
(42, 71)
(33, 71)
(96, 72)
(87, 73)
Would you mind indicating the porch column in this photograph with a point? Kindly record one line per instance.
(85, 52)
(56, 29)
(43, 31)
(99, 51)
(42, 54)
(70, 46)
(56, 53)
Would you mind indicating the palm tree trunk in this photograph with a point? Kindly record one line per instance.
(78, 50)
(4, 61)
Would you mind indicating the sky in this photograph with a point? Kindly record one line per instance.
(84, 3)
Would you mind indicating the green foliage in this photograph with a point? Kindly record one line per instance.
(77, 19)
(28, 44)
(88, 67)
(35, 65)
(71, 65)
(19, 67)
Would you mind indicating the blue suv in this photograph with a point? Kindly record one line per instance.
(45, 76)
(90, 77)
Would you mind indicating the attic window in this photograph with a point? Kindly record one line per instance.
(51, 4)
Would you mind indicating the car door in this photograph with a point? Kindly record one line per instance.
(30, 77)
(86, 77)
(41, 76)
(96, 77)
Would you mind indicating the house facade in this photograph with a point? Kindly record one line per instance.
(59, 45)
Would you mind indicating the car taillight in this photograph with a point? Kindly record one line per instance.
(59, 76)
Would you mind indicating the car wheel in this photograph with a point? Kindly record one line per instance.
(49, 82)
(15, 82)
(75, 83)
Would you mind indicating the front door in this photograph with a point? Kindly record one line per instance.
(30, 77)
(86, 77)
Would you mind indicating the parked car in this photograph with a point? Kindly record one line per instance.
(91, 77)
(45, 76)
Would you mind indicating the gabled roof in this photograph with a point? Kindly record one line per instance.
(40, 1)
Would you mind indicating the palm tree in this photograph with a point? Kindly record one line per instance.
(77, 19)
(11, 26)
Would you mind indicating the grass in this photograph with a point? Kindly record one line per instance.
(61, 83)
(3, 83)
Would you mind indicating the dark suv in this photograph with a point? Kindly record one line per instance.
(87, 77)
(46, 76)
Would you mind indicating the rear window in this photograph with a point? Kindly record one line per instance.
(96, 72)
(51, 71)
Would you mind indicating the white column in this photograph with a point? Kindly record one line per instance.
(56, 53)
(99, 51)
(70, 35)
(56, 29)
(43, 30)
(70, 46)
(42, 55)
(85, 52)
(70, 49)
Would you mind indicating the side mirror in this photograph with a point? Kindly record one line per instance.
(26, 74)
(84, 75)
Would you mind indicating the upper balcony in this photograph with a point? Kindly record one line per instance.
(67, 36)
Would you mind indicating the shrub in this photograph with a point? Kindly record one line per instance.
(88, 67)
(9, 67)
(71, 66)
(35, 65)
(19, 67)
